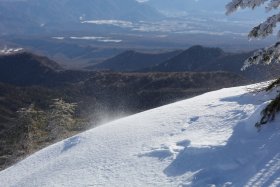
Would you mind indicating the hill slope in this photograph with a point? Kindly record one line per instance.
(133, 61)
(206, 59)
(20, 68)
(209, 140)
(191, 59)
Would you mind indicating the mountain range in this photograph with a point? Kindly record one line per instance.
(194, 59)
(133, 61)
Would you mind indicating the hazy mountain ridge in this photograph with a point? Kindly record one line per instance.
(191, 59)
(133, 61)
(204, 59)
(194, 59)
(199, 58)
(21, 68)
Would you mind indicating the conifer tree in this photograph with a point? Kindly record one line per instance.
(264, 29)
(43, 126)
(267, 55)
(61, 117)
(33, 122)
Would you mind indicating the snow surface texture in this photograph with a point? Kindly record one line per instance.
(209, 140)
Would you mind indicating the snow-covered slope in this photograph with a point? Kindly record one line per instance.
(209, 140)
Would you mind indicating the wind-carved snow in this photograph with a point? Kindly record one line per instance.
(71, 142)
(209, 140)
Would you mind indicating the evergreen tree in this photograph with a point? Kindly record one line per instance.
(33, 121)
(45, 126)
(61, 117)
(264, 29)
(267, 55)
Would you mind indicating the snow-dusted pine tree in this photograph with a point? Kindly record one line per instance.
(33, 122)
(267, 55)
(264, 29)
(61, 117)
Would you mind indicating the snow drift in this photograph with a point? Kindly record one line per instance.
(209, 140)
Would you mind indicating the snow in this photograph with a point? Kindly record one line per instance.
(7, 51)
(118, 23)
(209, 140)
(94, 38)
(99, 39)
(58, 37)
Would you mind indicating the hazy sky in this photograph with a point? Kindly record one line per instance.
(209, 7)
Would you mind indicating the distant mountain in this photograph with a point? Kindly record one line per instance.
(27, 69)
(70, 55)
(22, 68)
(133, 61)
(191, 59)
(37, 16)
(194, 59)
(204, 59)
